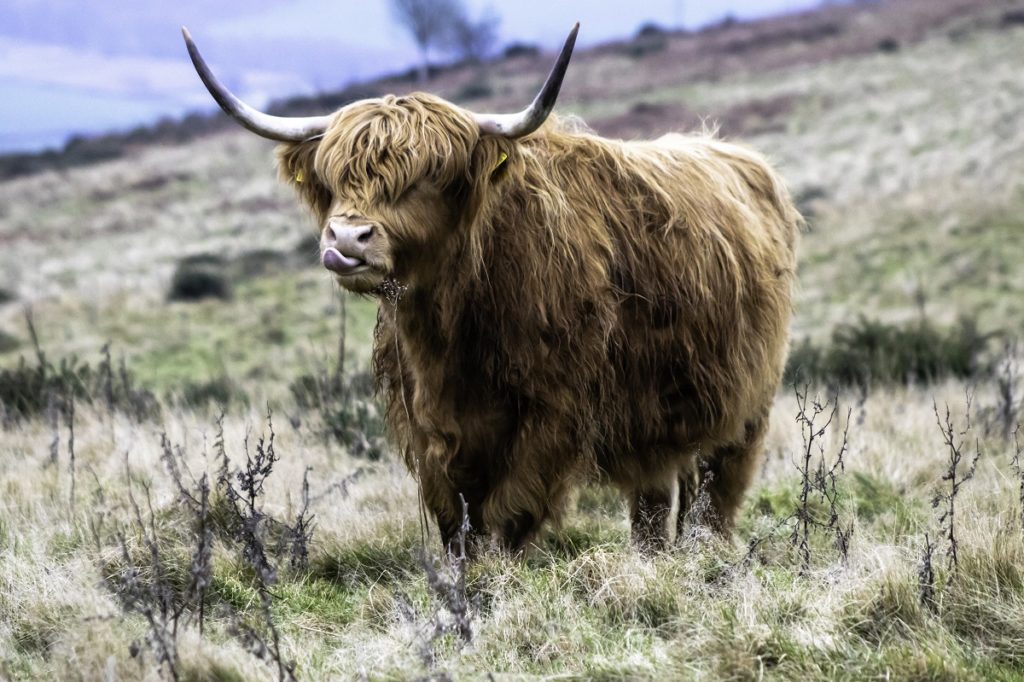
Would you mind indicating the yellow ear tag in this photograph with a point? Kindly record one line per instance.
(299, 176)
(501, 159)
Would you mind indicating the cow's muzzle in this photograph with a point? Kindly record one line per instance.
(344, 247)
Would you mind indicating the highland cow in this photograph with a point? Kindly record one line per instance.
(555, 306)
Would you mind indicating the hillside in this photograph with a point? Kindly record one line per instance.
(895, 124)
(222, 505)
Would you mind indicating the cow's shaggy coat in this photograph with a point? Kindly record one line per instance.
(573, 308)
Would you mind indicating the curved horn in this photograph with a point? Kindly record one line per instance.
(280, 128)
(532, 117)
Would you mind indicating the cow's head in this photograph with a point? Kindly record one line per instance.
(389, 179)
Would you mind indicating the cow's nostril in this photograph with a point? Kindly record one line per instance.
(365, 235)
(329, 234)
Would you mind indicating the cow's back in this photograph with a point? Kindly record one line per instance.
(702, 271)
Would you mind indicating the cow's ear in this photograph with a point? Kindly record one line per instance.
(295, 165)
(490, 160)
(489, 164)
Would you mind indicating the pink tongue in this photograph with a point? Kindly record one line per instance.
(336, 262)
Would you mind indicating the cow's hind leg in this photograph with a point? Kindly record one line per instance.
(649, 512)
(727, 474)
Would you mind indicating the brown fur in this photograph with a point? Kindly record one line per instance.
(587, 308)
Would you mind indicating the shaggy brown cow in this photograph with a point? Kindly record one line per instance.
(555, 306)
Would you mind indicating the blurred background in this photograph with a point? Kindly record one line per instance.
(132, 212)
(70, 66)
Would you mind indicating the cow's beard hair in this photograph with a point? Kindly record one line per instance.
(390, 290)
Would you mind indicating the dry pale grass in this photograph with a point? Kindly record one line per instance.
(582, 603)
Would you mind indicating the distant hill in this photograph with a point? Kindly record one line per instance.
(897, 126)
(807, 37)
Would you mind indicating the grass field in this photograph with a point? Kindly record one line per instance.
(582, 604)
(897, 125)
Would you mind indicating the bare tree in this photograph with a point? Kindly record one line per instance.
(429, 22)
(473, 40)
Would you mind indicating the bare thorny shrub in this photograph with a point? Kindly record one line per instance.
(446, 580)
(196, 499)
(65, 406)
(1008, 376)
(231, 512)
(145, 588)
(819, 477)
(700, 518)
(945, 499)
(956, 441)
(1017, 463)
(819, 501)
(926, 575)
(253, 527)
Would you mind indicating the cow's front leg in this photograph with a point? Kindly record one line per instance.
(457, 509)
(452, 492)
(517, 507)
(542, 467)
(650, 507)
